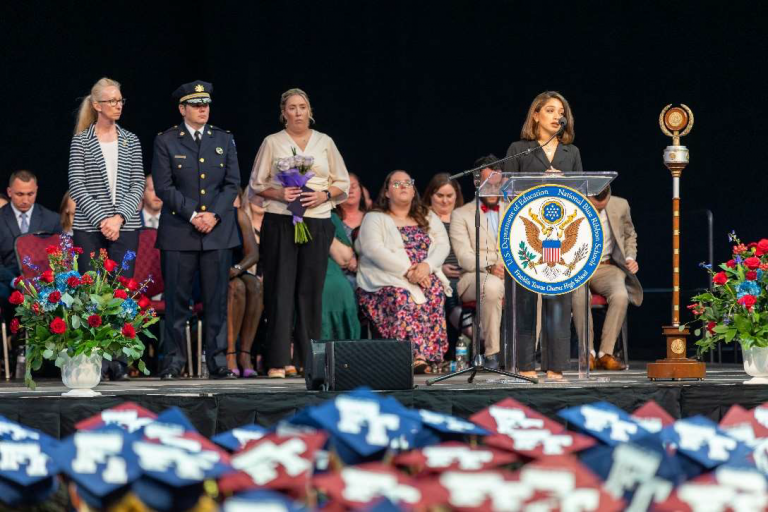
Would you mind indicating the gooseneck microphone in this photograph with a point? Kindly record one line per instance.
(563, 121)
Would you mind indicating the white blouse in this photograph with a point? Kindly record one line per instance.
(329, 170)
(109, 152)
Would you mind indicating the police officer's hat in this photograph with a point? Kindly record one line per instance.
(195, 93)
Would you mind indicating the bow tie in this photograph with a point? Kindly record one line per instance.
(487, 209)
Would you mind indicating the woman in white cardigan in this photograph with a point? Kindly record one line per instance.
(401, 286)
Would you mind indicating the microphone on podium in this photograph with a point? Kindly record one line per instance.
(563, 121)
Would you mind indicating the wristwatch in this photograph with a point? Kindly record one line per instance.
(328, 195)
(238, 268)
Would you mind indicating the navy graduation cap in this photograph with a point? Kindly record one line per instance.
(703, 441)
(261, 500)
(101, 463)
(27, 468)
(605, 422)
(237, 438)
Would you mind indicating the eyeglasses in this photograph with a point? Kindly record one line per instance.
(403, 183)
(113, 102)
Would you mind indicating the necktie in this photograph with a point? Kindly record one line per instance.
(24, 224)
(197, 137)
(153, 222)
(487, 209)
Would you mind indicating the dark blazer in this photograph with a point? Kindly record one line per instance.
(42, 219)
(89, 185)
(567, 158)
(191, 179)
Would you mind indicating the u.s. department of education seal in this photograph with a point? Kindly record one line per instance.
(551, 239)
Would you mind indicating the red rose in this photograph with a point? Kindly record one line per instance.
(86, 279)
(120, 294)
(15, 325)
(54, 297)
(144, 302)
(122, 280)
(752, 263)
(711, 327)
(51, 249)
(128, 331)
(132, 285)
(720, 278)
(748, 301)
(17, 281)
(751, 275)
(762, 245)
(94, 321)
(16, 298)
(73, 282)
(58, 326)
(78, 250)
(36, 308)
(110, 265)
(47, 276)
(731, 264)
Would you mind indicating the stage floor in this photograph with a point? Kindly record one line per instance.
(217, 406)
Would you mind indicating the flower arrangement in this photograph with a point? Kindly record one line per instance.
(737, 305)
(65, 312)
(294, 171)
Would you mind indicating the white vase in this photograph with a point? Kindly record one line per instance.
(81, 374)
(756, 364)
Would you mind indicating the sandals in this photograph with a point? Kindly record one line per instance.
(248, 373)
(421, 367)
(276, 373)
(290, 371)
(236, 370)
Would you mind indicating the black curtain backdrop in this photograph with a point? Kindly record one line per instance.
(427, 87)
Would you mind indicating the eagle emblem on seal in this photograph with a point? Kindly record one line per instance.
(551, 234)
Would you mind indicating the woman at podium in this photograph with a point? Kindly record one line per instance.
(544, 123)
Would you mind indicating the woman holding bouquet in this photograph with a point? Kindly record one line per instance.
(297, 230)
(401, 286)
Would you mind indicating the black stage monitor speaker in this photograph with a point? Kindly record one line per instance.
(345, 365)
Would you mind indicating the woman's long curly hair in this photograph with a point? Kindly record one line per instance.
(418, 211)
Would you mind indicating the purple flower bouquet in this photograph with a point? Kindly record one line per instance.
(294, 171)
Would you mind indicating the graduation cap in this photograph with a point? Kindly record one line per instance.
(274, 462)
(364, 425)
(366, 484)
(725, 488)
(652, 417)
(236, 439)
(261, 501)
(443, 427)
(454, 456)
(605, 422)
(741, 424)
(520, 429)
(27, 467)
(101, 463)
(128, 416)
(703, 441)
(175, 461)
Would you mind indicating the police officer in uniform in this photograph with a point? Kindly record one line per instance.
(197, 177)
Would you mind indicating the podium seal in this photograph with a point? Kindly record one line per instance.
(551, 239)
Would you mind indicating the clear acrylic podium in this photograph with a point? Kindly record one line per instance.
(510, 186)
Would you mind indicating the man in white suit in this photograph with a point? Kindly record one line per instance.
(462, 233)
(615, 278)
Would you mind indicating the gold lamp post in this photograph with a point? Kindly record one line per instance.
(676, 122)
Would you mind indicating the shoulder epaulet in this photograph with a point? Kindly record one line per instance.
(174, 127)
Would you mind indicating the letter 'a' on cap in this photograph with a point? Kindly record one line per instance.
(195, 93)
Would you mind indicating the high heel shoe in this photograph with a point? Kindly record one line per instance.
(235, 371)
(248, 373)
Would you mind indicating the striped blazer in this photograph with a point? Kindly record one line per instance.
(89, 184)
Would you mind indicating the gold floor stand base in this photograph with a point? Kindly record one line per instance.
(676, 369)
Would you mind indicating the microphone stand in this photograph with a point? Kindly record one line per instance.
(478, 360)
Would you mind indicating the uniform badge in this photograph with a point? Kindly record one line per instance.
(220, 151)
(199, 88)
(551, 239)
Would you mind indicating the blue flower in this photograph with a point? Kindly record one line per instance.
(748, 288)
(128, 309)
(129, 256)
(708, 266)
(42, 299)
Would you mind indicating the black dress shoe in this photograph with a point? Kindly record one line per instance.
(222, 372)
(492, 362)
(123, 377)
(169, 375)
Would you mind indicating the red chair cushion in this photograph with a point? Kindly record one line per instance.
(598, 300)
(469, 305)
(148, 262)
(33, 245)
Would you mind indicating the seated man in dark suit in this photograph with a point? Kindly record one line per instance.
(19, 217)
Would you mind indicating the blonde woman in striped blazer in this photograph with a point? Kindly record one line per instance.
(106, 177)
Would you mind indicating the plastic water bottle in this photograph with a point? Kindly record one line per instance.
(462, 349)
(21, 362)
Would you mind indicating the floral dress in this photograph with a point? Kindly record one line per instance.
(395, 314)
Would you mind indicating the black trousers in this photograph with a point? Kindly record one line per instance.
(294, 275)
(556, 331)
(179, 268)
(94, 241)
